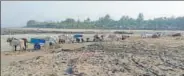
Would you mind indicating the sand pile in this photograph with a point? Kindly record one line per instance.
(126, 58)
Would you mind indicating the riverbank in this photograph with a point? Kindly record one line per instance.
(130, 57)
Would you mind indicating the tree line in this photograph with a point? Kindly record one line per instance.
(125, 22)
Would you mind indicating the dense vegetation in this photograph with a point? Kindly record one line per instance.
(125, 22)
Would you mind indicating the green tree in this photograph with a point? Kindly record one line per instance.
(125, 22)
(87, 20)
(31, 23)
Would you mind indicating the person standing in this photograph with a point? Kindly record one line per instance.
(82, 39)
(25, 43)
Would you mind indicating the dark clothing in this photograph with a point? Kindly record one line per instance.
(78, 40)
(82, 40)
(15, 47)
(50, 44)
(87, 39)
(102, 38)
(61, 41)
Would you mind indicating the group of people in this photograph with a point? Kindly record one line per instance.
(95, 38)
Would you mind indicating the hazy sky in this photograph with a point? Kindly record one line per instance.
(17, 13)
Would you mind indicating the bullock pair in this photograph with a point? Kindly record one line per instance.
(65, 38)
(56, 40)
(176, 34)
(117, 38)
(113, 37)
(146, 35)
(22, 43)
(97, 38)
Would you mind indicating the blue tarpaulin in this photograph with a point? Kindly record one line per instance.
(36, 40)
(77, 35)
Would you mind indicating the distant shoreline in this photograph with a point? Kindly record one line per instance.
(8, 31)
